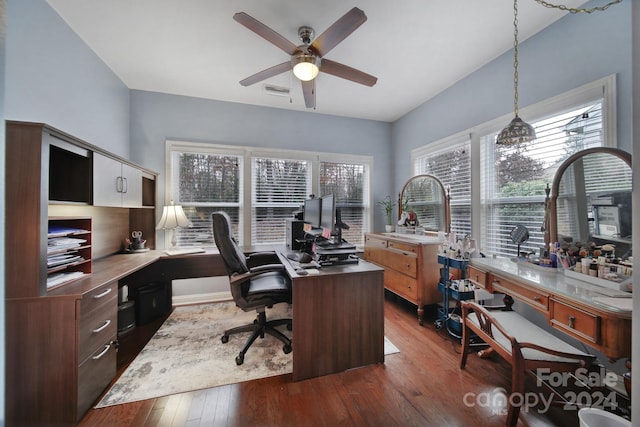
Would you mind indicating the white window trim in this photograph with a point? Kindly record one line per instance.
(247, 153)
(604, 88)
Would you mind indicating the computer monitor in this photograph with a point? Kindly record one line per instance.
(312, 212)
(328, 215)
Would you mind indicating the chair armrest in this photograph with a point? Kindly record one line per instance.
(235, 278)
(260, 258)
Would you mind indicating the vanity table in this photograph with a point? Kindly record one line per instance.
(591, 314)
(590, 206)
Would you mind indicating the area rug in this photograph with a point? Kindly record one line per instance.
(186, 354)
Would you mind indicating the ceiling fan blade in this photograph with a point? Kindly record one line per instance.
(338, 31)
(265, 32)
(265, 74)
(309, 91)
(344, 71)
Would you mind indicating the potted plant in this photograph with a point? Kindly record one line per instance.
(388, 205)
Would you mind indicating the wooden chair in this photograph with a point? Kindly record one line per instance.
(524, 345)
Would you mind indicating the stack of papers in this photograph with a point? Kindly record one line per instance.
(60, 278)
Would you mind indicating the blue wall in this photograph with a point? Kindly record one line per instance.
(573, 51)
(53, 77)
(156, 117)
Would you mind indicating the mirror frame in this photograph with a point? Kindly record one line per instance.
(446, 197)
(621, 154)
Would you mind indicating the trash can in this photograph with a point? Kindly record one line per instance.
(593, 417)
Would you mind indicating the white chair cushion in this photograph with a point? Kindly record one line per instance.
(526, 332)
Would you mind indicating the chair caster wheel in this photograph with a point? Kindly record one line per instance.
(224, 339)
(287, 349)
(240, 359)
(289, 326)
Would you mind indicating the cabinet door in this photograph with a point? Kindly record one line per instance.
(131, 187)
(107, 181)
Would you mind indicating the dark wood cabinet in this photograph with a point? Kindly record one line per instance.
(61, 336)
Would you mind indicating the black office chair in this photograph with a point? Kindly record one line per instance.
(258, 281)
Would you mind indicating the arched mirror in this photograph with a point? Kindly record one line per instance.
(424, 198)
(591, 199)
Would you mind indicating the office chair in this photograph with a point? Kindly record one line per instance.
(258, 281)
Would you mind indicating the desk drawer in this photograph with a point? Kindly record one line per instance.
(404, 247)
(575, 321)
(401, 284)
(95, 374)
(96, 327)
(98, 296)
(478, 277)
(532, 297)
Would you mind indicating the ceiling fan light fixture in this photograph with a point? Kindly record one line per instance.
(305, 66)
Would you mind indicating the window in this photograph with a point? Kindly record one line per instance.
(279, 188)
(204, 183)
(348, 182)
(514, 178)
(260, 189)
(452, 166)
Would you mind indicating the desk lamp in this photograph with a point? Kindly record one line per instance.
(173, 217)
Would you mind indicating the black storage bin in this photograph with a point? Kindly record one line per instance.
(152, 301)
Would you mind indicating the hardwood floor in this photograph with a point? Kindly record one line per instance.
(420, 386)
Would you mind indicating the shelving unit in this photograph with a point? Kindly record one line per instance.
(448, 316)
(68, 250)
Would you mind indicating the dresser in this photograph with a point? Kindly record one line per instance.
(410, 263)
(579, 309)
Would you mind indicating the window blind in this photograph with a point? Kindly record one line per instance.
(452, 166)
(514, 178)
(279, 187)
(204, 183)
(349, 184)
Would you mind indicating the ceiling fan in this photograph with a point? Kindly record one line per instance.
(308, 59)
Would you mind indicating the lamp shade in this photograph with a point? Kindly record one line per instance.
(305, 66)
(516, 132)
(172, 217)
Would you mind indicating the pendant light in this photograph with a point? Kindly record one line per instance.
(518, 131)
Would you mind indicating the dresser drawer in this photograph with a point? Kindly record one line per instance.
(536, 299)
(575, 321)
(372, 241)
(402, 262)
(404, 247)
(96, 327)
(401, 284)
(478, 277)
(98, 296)
(95, 374)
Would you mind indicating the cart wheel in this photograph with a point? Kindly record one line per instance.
(240, 359)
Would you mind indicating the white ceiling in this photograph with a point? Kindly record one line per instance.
(416, 48)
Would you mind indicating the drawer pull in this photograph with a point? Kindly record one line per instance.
(103, 352)
(102, 294)
(536, 299)
(572, 322)
(103, 327)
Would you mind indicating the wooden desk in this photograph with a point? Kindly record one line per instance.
(570, 306)
(338, 318)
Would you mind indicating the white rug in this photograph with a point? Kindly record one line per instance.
(186, 354)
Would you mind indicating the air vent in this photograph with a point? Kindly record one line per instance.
(276, 90)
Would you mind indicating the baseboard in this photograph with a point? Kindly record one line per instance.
(180, 300)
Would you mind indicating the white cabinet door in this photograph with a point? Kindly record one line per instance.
(115, 183)
(132, 187)
(107, 181)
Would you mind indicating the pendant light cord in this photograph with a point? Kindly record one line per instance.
(578, 10)
(515, 57)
